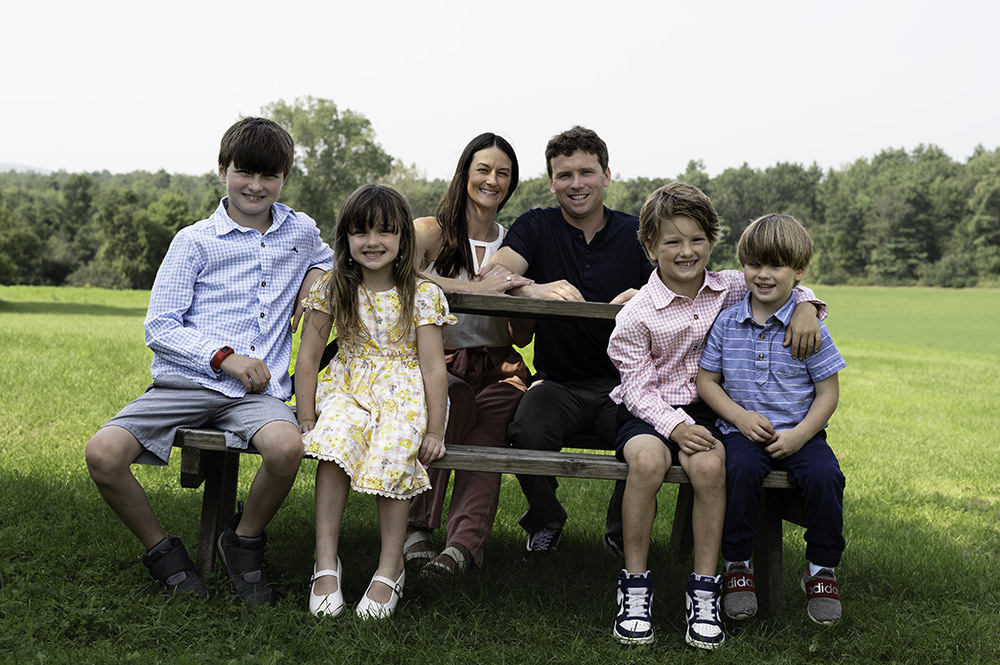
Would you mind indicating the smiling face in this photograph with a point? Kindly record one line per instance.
(374, 250)
(250, 195)
(489, 177)
(770, 286)
(578, 182)
(681, 253)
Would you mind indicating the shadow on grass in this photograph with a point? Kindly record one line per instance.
(69, 309)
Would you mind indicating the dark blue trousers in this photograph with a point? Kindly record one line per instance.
(813, 469)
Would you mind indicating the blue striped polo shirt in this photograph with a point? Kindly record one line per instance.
(760, 374)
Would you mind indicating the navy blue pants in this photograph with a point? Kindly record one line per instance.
(813, 469)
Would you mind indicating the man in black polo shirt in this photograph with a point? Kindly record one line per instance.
(579, 250)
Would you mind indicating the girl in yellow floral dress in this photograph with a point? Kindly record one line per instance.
(379, 412)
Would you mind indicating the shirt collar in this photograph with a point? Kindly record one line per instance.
(783, 315)
(224, 224)
(661, 296)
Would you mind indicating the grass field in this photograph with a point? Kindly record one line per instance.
(916, 432)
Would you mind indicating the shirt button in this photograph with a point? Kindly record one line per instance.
(262, 315)
(761, 336)
(691, 380)
(696, 316)
(262, 244)
(265, 284)
(760, 356)
(253, 348)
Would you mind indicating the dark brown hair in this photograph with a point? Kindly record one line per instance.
(257, 145)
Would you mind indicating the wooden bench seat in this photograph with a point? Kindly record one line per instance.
(205, 459)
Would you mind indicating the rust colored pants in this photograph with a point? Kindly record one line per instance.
(484, 387)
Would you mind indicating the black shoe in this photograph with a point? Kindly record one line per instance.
(544, 541)
(169, 564)
(244, 561)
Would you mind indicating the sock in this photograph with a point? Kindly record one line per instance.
(727, 564)
(813, 568)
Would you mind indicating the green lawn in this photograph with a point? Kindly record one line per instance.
(916, 433)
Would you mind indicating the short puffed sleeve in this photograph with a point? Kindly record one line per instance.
(431, 307)
(319, 295)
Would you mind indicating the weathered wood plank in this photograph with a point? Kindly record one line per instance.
(530, 308)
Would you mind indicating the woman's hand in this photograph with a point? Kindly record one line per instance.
(497, 280)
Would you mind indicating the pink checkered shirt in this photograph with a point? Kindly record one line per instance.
(658, 339)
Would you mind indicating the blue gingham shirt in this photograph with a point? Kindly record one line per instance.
(222, 284)
(760, 374)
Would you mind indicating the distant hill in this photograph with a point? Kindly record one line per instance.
(21, 168)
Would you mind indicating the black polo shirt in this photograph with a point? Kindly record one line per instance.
(614, 261)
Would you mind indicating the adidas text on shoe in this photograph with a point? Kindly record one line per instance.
(739, 597)
(822, 597)
(701, 601)
(544, 541)
(634, 622)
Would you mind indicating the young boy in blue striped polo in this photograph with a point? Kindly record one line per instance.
(773, 411)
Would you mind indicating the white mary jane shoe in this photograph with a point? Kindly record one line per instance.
(326, 605)
(370, 609)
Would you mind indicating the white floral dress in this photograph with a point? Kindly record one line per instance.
(371, 410)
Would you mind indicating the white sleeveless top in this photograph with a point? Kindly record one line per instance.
(475, 330)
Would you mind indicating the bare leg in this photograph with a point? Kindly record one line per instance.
(707, 471)
(280, 447)
(648, 460)
(392, 517)
(332, 488)
(109, 456)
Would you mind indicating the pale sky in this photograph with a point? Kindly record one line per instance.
(126, 85)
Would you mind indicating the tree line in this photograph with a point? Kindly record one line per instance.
(900, 218)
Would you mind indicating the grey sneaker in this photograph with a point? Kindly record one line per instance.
(739, 597)
(544, 541)
(169, 564)
(634, 622)
(244, 561)
(822, 597)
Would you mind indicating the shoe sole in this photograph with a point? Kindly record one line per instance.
(708, 646)
(633, 641)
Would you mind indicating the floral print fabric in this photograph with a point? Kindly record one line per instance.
(372, 414)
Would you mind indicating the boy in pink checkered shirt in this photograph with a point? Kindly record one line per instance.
(658, 337)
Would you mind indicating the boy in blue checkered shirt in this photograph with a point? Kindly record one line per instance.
(773, 411)
(218, 326)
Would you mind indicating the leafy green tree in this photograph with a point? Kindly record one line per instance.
(335, 153)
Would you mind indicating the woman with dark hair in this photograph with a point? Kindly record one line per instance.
(486, 376)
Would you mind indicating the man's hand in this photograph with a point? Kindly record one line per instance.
(561, 290)
(251, 372)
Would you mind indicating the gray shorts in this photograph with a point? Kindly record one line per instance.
(172, 402)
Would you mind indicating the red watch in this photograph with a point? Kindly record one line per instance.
(221, 355)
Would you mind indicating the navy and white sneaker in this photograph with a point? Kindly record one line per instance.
(544, 541)
(702, 600)
(634, 623)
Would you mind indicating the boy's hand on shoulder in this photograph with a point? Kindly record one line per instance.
(786, 443)
(756, 427)
(251, 372)
(693, 438)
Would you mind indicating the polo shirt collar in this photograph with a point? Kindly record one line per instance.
(784, 315)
